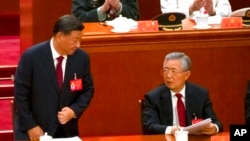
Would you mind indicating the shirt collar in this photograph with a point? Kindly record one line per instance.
(55, 54)
(182, 92)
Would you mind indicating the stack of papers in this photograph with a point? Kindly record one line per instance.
(195, 128)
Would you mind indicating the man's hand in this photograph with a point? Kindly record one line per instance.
(115, 4)
(196, 6)
(65, 115)
(35, 133)
(210, 129)
(175, 128)
(105, 7)
(208, 5)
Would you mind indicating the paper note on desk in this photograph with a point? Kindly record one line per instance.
(122, 22)
(67, 139)
(192, 129)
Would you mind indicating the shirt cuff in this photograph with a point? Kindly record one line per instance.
(168, 130)
(120, 11)
(217, 128)
(101, 16)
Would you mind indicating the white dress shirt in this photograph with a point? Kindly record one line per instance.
(56, 55)
(175, 112)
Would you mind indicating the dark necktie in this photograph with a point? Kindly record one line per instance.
(59, 72)
(181, 111)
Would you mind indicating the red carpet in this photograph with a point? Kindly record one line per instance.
(9, 57)
(5, 115)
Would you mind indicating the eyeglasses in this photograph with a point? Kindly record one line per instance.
(173, 72)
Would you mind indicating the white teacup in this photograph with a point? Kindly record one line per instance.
(181, 135)
(202, 20)
(45, 137)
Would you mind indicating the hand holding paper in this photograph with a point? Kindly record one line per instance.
(209, 129)
(200, 127)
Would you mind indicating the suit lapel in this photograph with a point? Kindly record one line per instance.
(188, 102)
(68, 74)
(166, 104)
(48, 59)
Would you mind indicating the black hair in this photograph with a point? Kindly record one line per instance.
(66, 24)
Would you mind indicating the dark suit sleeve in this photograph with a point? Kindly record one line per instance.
(151, 120)
(80, 100)
(199, 104)
(84, 11)
(157, 112)
(22, 93)
(247, 104)
(130, 9)
(209, 113)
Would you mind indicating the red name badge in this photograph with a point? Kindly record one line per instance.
(231, 22)
(148, 26)
(76, 85)
(196, 120)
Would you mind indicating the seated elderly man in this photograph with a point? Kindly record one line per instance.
(177, 102)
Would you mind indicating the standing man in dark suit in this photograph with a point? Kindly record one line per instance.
(101, 10)
(42, 104)
(160, 114)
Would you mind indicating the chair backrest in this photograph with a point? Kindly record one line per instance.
(141, 106)
(13, 113)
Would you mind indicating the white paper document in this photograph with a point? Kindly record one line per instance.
(67, 139)
(192, 129)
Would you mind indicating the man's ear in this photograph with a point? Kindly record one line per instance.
(187, 74)
(59, 35)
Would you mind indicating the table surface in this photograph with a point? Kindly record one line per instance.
(224, 136)
(97, 28)
(217, 137)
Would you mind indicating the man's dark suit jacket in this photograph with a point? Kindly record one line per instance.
(158, 112)
(247, 104)
(84, 9)
(37, 94)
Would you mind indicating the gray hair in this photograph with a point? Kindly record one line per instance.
(185, 60)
